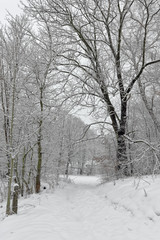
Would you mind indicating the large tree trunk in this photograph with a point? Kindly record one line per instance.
(122, 167)
(122, 161)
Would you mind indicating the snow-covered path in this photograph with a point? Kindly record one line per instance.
(77, 212)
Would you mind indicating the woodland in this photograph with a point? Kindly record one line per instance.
(61, 58)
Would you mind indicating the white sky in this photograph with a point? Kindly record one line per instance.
(11, 6)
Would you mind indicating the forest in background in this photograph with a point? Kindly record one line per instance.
(62, 55)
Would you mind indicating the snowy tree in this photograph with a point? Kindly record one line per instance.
(13, 47)
(100, 39)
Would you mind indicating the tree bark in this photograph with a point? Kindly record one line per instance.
(8, 207)
(39, 164)
(122, 161)
(39, 143)
(15, 199)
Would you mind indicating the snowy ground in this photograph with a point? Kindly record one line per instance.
(83, 210)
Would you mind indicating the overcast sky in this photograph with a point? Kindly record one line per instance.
(11, 6)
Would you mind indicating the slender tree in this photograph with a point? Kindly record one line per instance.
(41, 67)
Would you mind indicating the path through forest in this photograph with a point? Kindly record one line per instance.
(79, 211)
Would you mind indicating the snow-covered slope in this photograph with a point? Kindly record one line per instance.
(126, 210)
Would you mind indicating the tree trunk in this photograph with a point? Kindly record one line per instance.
(15, 199)
(23, 172)
(39, 164)
(67, 168)
(39, 142)
(122, 168)
(8, 210)
(122, 161)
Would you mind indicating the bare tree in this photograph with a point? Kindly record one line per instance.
(41, 79)
(98, 39)
(12, 52)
